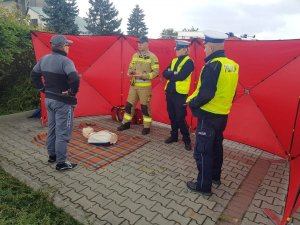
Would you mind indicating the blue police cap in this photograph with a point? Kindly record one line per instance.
(181, 44)
(214, 36)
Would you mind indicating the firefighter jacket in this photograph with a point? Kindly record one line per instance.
(146, 65)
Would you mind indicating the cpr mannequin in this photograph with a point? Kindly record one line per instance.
(103, 137)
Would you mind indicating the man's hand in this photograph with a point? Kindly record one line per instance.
(131, 74)
(68, 93)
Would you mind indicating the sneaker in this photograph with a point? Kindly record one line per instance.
(170, 140)
(65, 166)
(145, 131)
(124, 126)
(52, 159)
(188, 146)
(193, 187)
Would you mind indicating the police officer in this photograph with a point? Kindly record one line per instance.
(178, 74)
(142, 69)
(61, 86)
(211, 103)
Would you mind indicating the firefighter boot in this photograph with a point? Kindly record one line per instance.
(145, 131)
(124, 126)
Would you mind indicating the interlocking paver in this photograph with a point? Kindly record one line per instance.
(131, 217)
(179, 218)
(163, 200)
(162, 221)
(147, 186)
(112, 218)
(102, 201)
(116, 208)
(98, 210)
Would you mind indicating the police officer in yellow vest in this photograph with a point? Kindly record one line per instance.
(211, 103)
(177, 88)
(142, 69)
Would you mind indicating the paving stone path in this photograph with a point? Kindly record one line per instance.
(148, 185)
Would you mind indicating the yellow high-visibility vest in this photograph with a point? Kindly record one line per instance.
(182, 87)
(226, 87)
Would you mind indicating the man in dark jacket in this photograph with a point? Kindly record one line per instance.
(178, 75)
(211, 103)
(61, 84)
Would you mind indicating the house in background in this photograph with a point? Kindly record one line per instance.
(34, 8)
(36, 14)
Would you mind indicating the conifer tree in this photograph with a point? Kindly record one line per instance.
(102, 18)
(136, 25)
(168, 33)
(61, 15)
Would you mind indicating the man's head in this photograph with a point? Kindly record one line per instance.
(59, 42)
(213, 41)
(182, 47)
(143, 43)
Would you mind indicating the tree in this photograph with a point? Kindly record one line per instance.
(16, 62)
(102, 18)
(136, 25)
(190, 29)
(169, 33)
(61, 15)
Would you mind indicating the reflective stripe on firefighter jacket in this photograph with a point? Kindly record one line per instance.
(226, 87)
(182, 87)
(145, 65)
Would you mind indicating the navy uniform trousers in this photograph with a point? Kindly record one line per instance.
(209, 150)
(176, 108)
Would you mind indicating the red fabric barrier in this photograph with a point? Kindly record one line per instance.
(265, 107)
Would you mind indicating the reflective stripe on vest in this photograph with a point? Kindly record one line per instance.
(226, 87)
(182, 87)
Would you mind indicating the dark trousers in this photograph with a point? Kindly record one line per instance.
(209, 150)
(176, 108)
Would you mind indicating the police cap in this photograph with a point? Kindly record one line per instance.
(181, 44)
(214, 36)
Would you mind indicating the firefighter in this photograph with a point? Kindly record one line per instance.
(142, 69)
(178, 74)
(211, 103)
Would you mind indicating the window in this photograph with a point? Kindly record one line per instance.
(34, 22)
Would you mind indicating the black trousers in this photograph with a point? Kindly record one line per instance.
(209, 150)
(176, 108)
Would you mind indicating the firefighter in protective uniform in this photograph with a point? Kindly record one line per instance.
(178, 75)
(142, 69)
(211, 103)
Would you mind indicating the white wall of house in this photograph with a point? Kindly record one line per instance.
(35, 18)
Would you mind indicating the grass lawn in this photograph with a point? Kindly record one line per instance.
(20, 205)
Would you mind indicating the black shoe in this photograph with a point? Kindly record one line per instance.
(193, 187)
(145, 131)
(170, 140)
(124, 126)
(188, 146)
(217, 182)
(52, 159)
(65, 166)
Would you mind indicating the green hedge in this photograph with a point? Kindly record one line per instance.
(16, 62)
